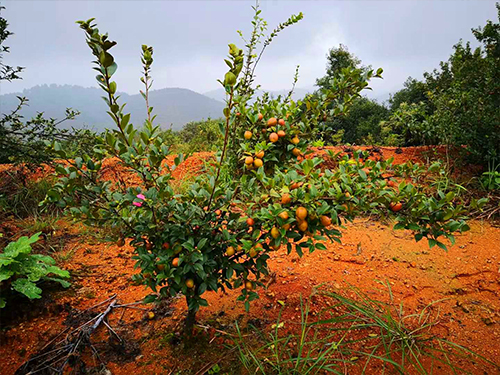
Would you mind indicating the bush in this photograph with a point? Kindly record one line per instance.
(21, 197)
(20, 270)
(218, 233)
(456, 104)
(199, 136)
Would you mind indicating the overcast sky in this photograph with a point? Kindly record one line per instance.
(190, 39)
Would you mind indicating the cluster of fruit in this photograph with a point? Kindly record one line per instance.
(278, 130)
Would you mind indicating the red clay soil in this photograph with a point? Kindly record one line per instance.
(466, 280)
(113, 171)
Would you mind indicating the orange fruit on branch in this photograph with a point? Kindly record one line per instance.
(296, 152)
(248, 134)
(258, 163)
(286, 198)
(272, 121)
(250, 221)
(281, 133)
(275, 233)
(301, 213)
(273, 137)
(259, 154)
(325, 220)
(190, 283)
(396, 207)
(175, 262)
(230, 251)
(281, 122)
(248, 160)
(283, 215)
(166, 246)
(260, 116)
(303, 226)
(160, 267)
(295, 140)
(248, 285)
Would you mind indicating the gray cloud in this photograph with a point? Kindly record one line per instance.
(190, 39)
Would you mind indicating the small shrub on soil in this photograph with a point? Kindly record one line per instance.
(20, 271)
(264, 189)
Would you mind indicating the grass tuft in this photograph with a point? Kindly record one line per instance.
(362, 333)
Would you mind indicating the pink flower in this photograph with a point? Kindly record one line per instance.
(141, 196)
(138, 204)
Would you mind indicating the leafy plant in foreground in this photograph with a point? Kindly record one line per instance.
(21, 271)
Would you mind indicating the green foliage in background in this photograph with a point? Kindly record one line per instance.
(24, 141)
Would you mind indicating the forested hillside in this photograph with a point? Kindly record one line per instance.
(174, 106)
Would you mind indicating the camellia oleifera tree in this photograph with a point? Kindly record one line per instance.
(263, 192)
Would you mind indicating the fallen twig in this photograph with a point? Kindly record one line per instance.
(74, 343)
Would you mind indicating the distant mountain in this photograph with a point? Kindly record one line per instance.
(173, 106)
(299, 93)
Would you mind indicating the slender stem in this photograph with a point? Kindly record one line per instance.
(111, 101)
(226, 137)
(146, 77)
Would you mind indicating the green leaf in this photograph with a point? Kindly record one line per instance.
(57, 271)
(362, 173)
(442, 245)
(202, 243)
(150, 298)
(2, 303)
(22, 245)
(449, 197)
(5, 274)
(4, 261)
(26, 287)
(64, 283)
(106, 59)
(112, 87)
(320, 246)
(112, 69)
